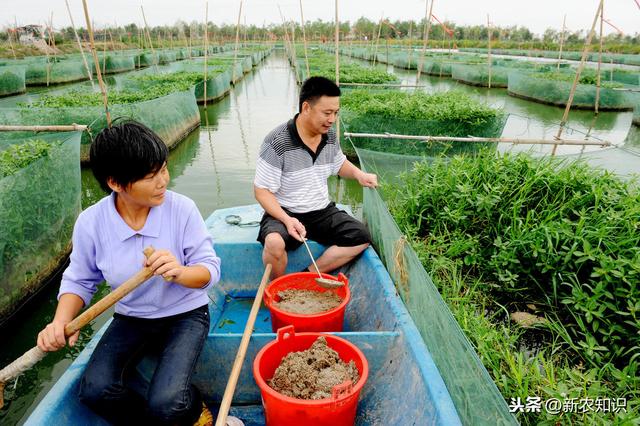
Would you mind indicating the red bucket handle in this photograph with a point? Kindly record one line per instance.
(285, 333)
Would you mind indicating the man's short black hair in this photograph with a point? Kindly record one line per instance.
(315, 87)
(126, 153)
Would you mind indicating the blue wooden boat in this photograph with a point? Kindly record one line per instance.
(404, 385)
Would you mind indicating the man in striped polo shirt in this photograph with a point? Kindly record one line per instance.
(295, 160)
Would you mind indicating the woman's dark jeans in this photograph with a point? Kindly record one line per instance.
(171, 398)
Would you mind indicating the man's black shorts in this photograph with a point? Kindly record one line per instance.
(329, 226)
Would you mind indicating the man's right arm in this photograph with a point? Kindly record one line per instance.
(271, 205)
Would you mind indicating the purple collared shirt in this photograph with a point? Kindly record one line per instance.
(106, 248)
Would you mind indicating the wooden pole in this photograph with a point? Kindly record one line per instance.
(564, 21)
(587, 45)
(304, 39)
(375, 49)
(103, 88)
(599, 61)
(54, 128)
(104, 52)
(515, 141)
(153, 51)
(337, 39)
(206, 49)
(235, 51)
(489, 50)
(410, 44)
(425, 36)
(84, 58)
(242, 350)
(15, 32)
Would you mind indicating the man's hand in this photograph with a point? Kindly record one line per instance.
(164, 263)
(295, 228)
(368, 180)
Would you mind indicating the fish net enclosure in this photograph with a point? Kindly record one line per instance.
(474, 393)
(55, 71)
(391, 111)
(171, 116)
(555, 89)
(39, 202)
(12, 80)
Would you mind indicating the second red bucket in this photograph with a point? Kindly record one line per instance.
(332, 320)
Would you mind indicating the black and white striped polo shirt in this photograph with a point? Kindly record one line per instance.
(293, 173)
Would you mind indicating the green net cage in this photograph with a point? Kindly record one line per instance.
(475, 395)
(145, 59)
(64, 71)
(555, 92)
(417, 114)
(12, 80)
(172, 117)
(478, 75)
(166, 57)
(39, 203)
(112, 64)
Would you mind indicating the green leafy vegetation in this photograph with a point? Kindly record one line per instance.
(502, 234)
(453, 105)
(586, 77)
(19, 156)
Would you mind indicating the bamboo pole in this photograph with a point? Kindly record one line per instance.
(103, 88)
(304, 39)
(235, 51)
(599, 61)
(425, 36)
(15, 32)
(515, 141)
(564, 20)
(489, 50)
(104, 52)
(242, 350)
(48, 59)
(84, 58)
(206, 49)
(410, 44)
(337, 40)
(587, 45)
(43, 128)
(375, 50)
(153, 51)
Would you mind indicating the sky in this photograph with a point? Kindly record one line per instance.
(537, 15)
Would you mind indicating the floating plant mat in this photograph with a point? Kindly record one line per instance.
(307, 301)
(313, 373)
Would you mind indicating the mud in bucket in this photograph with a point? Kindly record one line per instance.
(332, 320)
(281, 410)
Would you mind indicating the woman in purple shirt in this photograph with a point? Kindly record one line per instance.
(169, 313)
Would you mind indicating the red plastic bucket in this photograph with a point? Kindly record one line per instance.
(281, 410)
(332, 320)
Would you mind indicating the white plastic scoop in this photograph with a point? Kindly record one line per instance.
(322, 282)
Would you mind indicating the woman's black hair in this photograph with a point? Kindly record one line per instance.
(315, 87)
(126, 152)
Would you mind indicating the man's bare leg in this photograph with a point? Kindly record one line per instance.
(275, 253)
(335, 256)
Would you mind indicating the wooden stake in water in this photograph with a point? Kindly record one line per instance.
(206, 49)
(304, 39)
(84, 58)
(235, 51)
(425, 37)
(103, 88)
(583, 59)
(489, 50)
(337, 37)
(599, 61)
(564, 20)
(153, 51)
(375, 50)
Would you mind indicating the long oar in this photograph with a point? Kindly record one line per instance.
(242, 351)
(35, 354)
